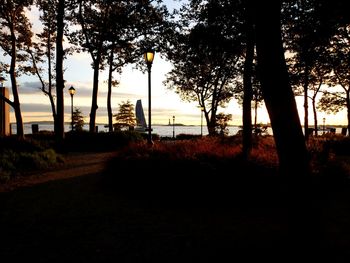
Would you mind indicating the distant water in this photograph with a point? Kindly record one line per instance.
(161, 130)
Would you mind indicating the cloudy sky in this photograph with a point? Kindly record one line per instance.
(133, 86)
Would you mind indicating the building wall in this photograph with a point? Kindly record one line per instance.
(4, 114)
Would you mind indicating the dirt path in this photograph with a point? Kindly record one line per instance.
(76, 164)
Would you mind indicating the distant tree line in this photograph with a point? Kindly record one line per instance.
(219, 49)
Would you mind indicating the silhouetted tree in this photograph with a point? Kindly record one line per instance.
(55, 17)
(318, 75)
(277, 92)
(308, 25)
(247, 81)
(60, 21)
(42, 52)
(256, 93)
(113, 26)
(301, 27)
(334, 101)
(130, 23)
(222, 120)
(125, 116)
(206, 53)
(15, 38)
(78, 120)
(92, 18)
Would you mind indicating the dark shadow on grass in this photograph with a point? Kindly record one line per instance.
(149, 209)
(267, 214)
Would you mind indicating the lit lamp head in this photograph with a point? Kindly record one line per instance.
(149, 56)
(2, 79)
(71, 91)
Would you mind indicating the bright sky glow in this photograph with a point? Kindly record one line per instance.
(133, 86)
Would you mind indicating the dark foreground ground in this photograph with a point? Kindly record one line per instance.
(175, 211)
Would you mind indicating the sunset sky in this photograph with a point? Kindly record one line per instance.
(133, 86)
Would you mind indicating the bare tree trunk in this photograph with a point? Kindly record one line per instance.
(109, 94)
(49, 93)
(247, 86)
(278, 94)
(94, 105)
(306, 102)
(315, 115)
(348, 108)
(287, 130)
(256, 114)
(16, 104)
(59, 123)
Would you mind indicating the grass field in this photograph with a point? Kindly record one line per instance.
(174, 203)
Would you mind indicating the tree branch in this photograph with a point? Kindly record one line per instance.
(2, 97)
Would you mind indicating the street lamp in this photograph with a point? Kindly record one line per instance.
(174, 127)
(71, 91)
(324, 125)
(149, 56)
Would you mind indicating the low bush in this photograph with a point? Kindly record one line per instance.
(20, 145)
(98, 142)
(183, 136)
(18, 163)
(20, 156)
(204, 167)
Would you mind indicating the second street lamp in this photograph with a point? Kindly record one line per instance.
(149, 56)
(71, 91)
(174, 127)
(324, 125)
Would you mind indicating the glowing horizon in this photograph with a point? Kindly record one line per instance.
(133, 86)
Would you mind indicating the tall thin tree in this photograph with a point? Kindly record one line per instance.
(60, 18)
(15, 37)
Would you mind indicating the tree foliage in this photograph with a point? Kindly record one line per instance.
(113, 32)
(339, 60)
(222, 120)
(125, 116)
(206, 52)
(78, 120)
(15, 35)
(42, 52)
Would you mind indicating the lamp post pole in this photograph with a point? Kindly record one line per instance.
(174, 127)
(71, 92)
(149, 56)
(324, 125)
(202, 121)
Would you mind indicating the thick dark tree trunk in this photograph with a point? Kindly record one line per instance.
(17, 108)
(109, 94)
(94, 105)
(306, 102)
(277, 92)
(59, 122)
(303, 230)
(256, 115)
(16, 104)
(247, 86)
(348, 108)
(314, 110)
(49, 93)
